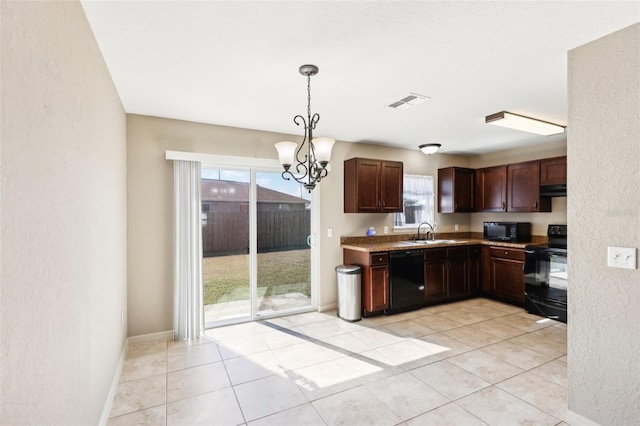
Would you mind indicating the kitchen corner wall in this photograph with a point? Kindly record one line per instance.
(604, 210)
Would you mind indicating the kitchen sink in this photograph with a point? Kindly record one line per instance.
(429, 242)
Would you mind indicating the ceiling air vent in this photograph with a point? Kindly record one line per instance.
(412, 100)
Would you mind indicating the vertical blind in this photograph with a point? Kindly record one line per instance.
(188, 319)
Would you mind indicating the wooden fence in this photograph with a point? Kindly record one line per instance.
(228, 232)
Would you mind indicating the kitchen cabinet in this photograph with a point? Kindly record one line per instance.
(375, 278)
(372, 186)
(457, 271)
(523, 184)
(475, 268)
(435, 274)
(505, 274)
(451, 272)
(456, 190)
(553, 171)
(491, 189)
(510, 188)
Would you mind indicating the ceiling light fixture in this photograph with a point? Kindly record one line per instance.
(409, 101)
(526, 124)
(430, 148)
(313, 167)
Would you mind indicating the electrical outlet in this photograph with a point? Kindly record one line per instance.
(121, 317)
(622, 257)
(329, 232)
(386, 229)
(455, 227)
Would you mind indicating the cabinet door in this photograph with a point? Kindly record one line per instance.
(456, 190)
(457, 271)
(379, 294)
(523, 181)
(474, 269)
(507, 279)
(391, 187)
(491, 189)
(553, 171)
(368, 186)
(435, 274)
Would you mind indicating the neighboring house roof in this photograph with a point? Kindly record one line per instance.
(238, 192)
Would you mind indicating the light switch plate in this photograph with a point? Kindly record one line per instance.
(622, 257)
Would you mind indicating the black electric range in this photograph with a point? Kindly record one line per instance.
(545, 275)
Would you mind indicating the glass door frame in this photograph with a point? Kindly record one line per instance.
(254, 165)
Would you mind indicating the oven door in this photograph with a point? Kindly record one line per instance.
(545, 273)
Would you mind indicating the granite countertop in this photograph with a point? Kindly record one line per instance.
(404, 242)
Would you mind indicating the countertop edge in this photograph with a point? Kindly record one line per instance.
(403, 245)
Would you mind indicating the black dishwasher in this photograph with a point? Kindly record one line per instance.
(406, 280)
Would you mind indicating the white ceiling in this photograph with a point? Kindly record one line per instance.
(235, 63)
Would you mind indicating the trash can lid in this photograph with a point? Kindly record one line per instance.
(348, 269)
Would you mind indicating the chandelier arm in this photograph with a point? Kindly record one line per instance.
(314, 120)
(298, 119)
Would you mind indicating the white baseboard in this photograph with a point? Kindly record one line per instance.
(574, 418)
(114, 385)
(329, 307)
(161, 335)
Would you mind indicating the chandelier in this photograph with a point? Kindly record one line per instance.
(312, 166)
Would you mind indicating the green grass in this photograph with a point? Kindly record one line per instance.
(226, 278)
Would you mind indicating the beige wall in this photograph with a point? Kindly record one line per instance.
(150, 209)
(63, 266)
(604, 210)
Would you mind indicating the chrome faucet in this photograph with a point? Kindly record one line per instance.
(433, 233)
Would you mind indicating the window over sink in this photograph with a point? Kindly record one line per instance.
(418, 202)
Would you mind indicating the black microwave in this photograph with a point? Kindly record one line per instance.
(513, 232)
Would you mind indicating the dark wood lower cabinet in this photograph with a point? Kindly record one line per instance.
(451, 273)
(374, 279)
(435, 274)
(506, 278)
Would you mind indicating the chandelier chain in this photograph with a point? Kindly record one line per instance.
(309, 96)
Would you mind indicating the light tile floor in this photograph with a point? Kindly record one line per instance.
(474, 362)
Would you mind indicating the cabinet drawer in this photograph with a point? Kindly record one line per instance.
(507, 253)
(379, 259)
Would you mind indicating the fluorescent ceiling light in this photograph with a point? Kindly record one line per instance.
(409, 101)
(526, 124)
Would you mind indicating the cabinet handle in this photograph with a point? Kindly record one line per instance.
(504, 206)
(535, 205)
(506, 253)
(455, 206)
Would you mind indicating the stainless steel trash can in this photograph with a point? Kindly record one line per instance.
(349, 292)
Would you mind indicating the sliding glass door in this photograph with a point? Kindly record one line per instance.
(256, 244)
(283, 245)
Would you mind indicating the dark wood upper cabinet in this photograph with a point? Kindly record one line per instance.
(523, 183)
(372, 186)
(456, 190)
(553, 171)
(491, 189)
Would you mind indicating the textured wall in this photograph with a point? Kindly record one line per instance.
(63, 177)
(604, 210)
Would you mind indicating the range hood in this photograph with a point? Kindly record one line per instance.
(553, 190)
